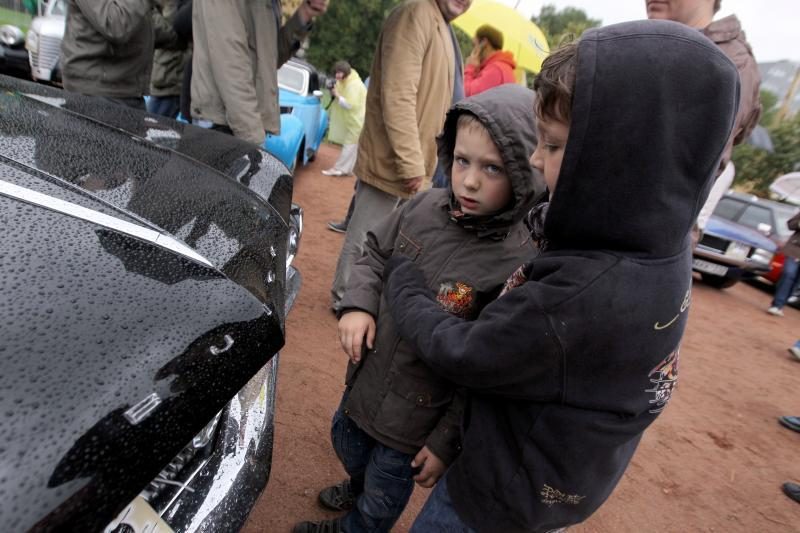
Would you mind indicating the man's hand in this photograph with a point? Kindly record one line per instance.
(432, 468)
(354, 328)
(474, 57)
(412, 185)
(310, 9)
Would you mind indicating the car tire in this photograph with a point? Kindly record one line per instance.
(718, 282)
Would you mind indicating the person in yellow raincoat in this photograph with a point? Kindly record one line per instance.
(349, 99)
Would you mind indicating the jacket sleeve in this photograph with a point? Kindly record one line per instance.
(289, 37)
(510, 350)
(476, 81)
(163, 33)
(365, 284)
(404, 43)
(116, 20)
(229, 61)
(445, 439)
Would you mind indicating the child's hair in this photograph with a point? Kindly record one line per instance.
(555, 84)
(469, 121)
(717, 5)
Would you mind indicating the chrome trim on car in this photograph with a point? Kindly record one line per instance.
(143, 409)
(89, 215)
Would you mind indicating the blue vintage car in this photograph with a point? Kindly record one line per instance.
(730, 251)
(304, 121)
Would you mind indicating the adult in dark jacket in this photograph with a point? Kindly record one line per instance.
(107, 49)
(168, 63)
(567, 370)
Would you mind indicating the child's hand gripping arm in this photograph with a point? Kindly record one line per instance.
(356, 328)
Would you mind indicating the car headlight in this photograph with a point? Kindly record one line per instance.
(32, 42)
(11, 36)
(762, 256)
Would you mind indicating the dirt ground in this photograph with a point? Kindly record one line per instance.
(713, 461)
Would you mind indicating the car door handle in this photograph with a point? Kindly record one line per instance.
(228, 343)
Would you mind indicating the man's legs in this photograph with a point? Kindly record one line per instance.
(786, 283)
(438, 514)
(371, 205)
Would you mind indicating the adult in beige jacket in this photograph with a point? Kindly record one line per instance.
(728, 35)
(410, 91)
(238, 47)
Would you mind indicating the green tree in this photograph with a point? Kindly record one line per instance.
(769, 107)
(568, 23)
(756, 168)
(348, 30)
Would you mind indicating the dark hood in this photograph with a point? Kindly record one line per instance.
(653, 107)
(507, 113)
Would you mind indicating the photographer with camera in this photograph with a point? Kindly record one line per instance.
(348, 104)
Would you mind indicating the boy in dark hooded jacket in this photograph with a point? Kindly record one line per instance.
(398, 422)
(569, 366)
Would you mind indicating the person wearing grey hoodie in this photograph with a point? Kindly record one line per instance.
(398, 422)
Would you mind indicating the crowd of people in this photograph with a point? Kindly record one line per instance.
(515, 273)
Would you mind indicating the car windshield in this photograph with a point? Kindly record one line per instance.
(291, 78)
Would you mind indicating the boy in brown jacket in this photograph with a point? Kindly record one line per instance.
(398, 422)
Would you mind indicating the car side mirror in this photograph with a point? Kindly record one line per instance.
(764, 228)
(317, 93)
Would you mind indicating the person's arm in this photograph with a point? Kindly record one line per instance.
(163, 34)
(510, 350)
(115, 20)
(365, 284)
(182, 23)
(794, 222)
(405, 40)
(445, 439)
(297, 27)
(479, 80)
(229, 61)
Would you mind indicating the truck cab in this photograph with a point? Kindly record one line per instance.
(44, 41)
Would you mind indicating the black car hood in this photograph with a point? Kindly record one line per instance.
(117, 350)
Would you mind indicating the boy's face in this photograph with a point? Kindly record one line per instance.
(479, 179)
(550, 150)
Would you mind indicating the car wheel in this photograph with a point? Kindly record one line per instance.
(718, 282)
(299, 161)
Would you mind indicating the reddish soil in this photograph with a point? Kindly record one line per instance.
(713, 461)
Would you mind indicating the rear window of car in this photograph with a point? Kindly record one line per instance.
(754, 215)
(728, 208)
(291, 78)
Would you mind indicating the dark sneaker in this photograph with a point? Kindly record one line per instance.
(325, 526)
(791, 422)
(338, 497)
(792, 490)
(338, 227)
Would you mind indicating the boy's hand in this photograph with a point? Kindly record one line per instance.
(432, 468)
(354, 327)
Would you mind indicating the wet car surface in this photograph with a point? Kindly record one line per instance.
(145, 291)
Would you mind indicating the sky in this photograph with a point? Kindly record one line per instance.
(771, 26)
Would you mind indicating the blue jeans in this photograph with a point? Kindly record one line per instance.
(438, 514)
(167, 106)
(380, 477)
(787, 282)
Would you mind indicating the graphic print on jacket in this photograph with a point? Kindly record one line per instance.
(568, 368)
